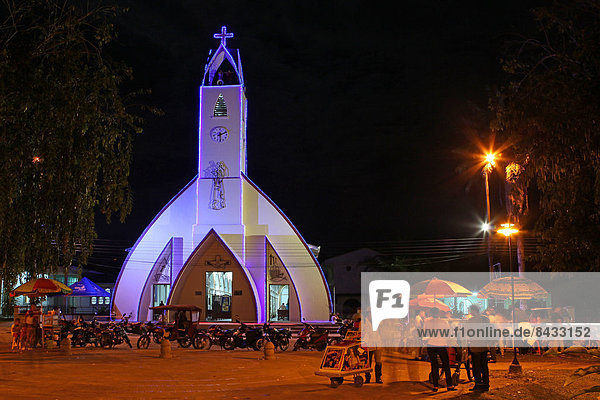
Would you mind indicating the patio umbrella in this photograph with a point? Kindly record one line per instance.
(428, 301)
(87, 288)
(41, 287)
(439, 288)
(525, 289)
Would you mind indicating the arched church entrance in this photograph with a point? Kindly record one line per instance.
(214, 280)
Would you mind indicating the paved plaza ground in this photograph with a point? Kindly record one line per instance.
(124, 373)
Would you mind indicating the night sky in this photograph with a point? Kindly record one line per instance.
(361, 115)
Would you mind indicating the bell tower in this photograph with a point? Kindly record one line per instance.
(221, 139)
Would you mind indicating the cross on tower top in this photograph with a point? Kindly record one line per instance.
(224, 35)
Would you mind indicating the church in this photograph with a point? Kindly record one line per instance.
(221, 243)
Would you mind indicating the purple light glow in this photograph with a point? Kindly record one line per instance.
(224, 35)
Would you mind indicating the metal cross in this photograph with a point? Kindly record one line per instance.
(218, 262)
(224, 35)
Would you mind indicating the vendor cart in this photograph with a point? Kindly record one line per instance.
(345, 359)
(50, 329)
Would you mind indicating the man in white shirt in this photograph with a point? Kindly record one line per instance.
(437, 346)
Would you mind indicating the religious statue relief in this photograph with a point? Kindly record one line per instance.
(218, 262)
(274, 270)
(162, 273)
(217, 171)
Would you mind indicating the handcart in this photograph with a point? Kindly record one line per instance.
(345, 359)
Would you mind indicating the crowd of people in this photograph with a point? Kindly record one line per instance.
(479, 354)
(26, 330)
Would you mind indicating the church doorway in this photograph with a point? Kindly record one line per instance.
(219, 286)
(279, 302)
(160, 295)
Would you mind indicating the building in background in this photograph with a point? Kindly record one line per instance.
(343, 274)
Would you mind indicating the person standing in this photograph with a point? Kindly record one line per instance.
(30, 326)
(15, 331)
(437, 346)
(479, 356)
(374, 352)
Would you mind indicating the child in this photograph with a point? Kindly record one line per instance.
(15, 330)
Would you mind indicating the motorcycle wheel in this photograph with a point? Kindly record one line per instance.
(143, 342)
(321, 346)
(334, 341)
(77, 342)
(106, 340)
(184, 342)
(297, 345)
(229, 344)
(259, 344)
(201, 342)
(284, 343)
(157, 338)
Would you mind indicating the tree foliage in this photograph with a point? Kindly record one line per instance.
(550, 113)
(66, 132)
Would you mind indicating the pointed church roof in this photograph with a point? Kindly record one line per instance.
(221, 54)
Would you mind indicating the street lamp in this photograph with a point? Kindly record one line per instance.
(508, 230)
(490, 162)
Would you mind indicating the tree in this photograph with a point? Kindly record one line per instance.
(550, 113)
(66, 133)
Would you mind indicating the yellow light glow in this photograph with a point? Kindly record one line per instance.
(490, 158)
(507, 229)
(36, 159)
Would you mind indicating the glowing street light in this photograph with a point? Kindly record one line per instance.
(508, 230)
(490, 162)
(490, 159)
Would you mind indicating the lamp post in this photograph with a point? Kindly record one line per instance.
(508, 230)
(490, 162)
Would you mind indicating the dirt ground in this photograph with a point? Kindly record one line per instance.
(124, 373)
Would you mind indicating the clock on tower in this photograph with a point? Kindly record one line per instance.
(222, 134)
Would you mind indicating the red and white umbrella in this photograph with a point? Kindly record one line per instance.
(439, 288)
(428, 301)
(41, 287)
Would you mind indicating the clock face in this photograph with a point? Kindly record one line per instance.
(219, 134)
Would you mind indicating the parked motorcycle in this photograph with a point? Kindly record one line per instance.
(244, 337)
(217, 335)
(66, 328)
(311, 338)
(280, 337)
(345, 326)
(114, 335)
(151, 333)
(201, 340)
(86, 334)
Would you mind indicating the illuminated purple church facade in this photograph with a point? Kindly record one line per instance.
(221, 244)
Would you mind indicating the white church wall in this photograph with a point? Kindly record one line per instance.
(175, 219)
(230, 214)
(304, 270)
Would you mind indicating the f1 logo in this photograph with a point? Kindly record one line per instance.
(389, 300)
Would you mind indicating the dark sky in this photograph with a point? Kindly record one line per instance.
(360, 113)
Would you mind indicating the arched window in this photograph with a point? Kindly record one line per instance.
(220, 107)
